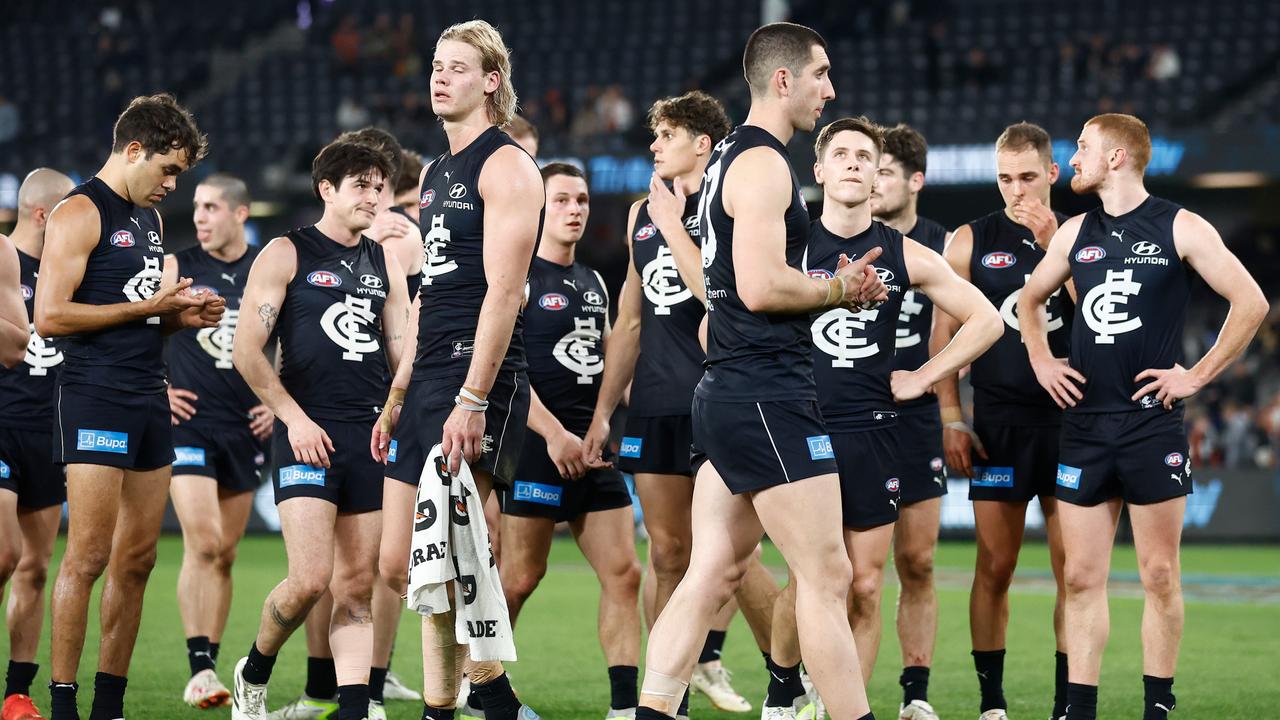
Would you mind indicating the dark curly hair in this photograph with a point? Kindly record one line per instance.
(160, 125)
(343, 159)
(908, 147)
(695, 111)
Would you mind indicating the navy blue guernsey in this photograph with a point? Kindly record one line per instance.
(200, 360)
(412, 281)
(915, 321)
(125, 266)
(26, 391)
(565, 317)
(853, 352)
(751, 357)
(1133, 289)
(670, 361)
(1005, 388)
(451, 217)
(333, 362)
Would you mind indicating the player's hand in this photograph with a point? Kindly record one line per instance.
(594, 441)
(461, 437)
(863, 288)
(565, 450)
(261, 421)
(181, 405)
(1040, 220)
(388, 226)
(174, 299)
(959, 443)
(311, 444)
(908, 385)
(1060, 380)
(209, 314)
(1170, 385)
(666, 207)
(380, 440)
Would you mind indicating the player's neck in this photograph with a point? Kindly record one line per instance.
(27, 239)
(692, 180)
(232, 251)
(557, 252)
(112, 174)
(1122, 197)
(904, 221)
(770, 117)
(462, 133)
(843, 220)
(338, 232)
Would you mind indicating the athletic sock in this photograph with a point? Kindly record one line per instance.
(622, 687)
(990, 667)
(1082, 702)
(322, 678)
(199, 657)
(1059, 685)
(435, 713)
(784, 684)
(257, 668)
(915, 683)
(473, 698)
(353, 701)
(648, 713)
(17, 681)
(108, 697)
(213, 651)
(498, 698)
(377, 679)
(62, 701)
(711, 648)
(868, 716)
(683, 710)
(1157, 697)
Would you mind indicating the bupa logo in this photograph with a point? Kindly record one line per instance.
(630, 447)
(1145, 248)
(301, 475)
(593, 298)
(122, 239)
(553, 301)
(646, 232)
(537, 493)
(820, 274)
(324, 278)
(427, 197)
(1173, 459)
(1069, 477)
(184, 455)
(102, 441)
(891, 485)
(1090, 254)
(27, 292)
(999, 260)
(371, 280)
(458, 191)
(992, 477)
(820, 447)
(885, 274)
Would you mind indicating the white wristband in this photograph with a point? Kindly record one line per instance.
(470, 406)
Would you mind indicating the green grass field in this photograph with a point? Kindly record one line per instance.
(1233, 622)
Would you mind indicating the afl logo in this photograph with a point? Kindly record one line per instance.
(1093, 253)
(458, 191)
(553, 301)
(1173, 459)
(1145, 248)
(27, 292)
(425, 201)
(646, 232)
(324, 278)
(891, 485)
(999, 260)
(122, 238)
(886, 275)
(820, 274)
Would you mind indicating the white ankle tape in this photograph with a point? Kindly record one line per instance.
(664, 689)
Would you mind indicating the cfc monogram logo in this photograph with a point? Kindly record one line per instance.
(1009, 310)
(41, 355)
(145, 284)
(347, 325)
(662, 283)
(579, 350)
(217, 341)
(911, 307)
(435, 242)
(836, 333)
(1100, 307)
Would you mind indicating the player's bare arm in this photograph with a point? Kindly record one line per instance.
(1056, 376)
(380, 439)
(958, 438)
(13, 311)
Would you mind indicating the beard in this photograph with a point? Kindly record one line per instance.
(1084, 186)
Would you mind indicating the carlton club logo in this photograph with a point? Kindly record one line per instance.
(579, 350)
(999, 260)
(839, 333)
(324, 279)
(218, 341)
(349, 324)
(122, 239)
(1103, 306)
(662, 284)
(1090, 254)
(427, 197)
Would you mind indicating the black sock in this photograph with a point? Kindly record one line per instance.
(257, 669)
(648, 713)
(784, 684)
(915, 683)
(1157, 697)
(473, 699)
(108, 697)
(62, 701)
(213, 651)
(18, 680)
(1082, 702)
(1059, 685)
(683, 710)
(869, 716)
(435, 713)
(499, 699)
(199, 657)
(353, 701)
(711, 648)
(322, 678)
(990, 667)
(377, 679)
(622, 687)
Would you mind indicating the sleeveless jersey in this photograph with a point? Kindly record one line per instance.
(412, 281)
(124, 267)
(333, 361)
(1133, 291)
(200, 360)
(670, 361)
(853, 352)
(451, 217)
(751, 356)
(1004, 385)
(566, 312)
(26, 391)
(915, 321)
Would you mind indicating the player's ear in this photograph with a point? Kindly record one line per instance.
(817, 172)
(702, 144)
(781, 80)
(242, 213)
(1054, 171)
(916, 182)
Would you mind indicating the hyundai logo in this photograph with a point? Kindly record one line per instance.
(1145, 248)
(458, 190)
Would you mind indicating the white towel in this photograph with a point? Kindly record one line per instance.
(447, 545)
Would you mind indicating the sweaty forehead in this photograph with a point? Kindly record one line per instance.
(456, 51)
